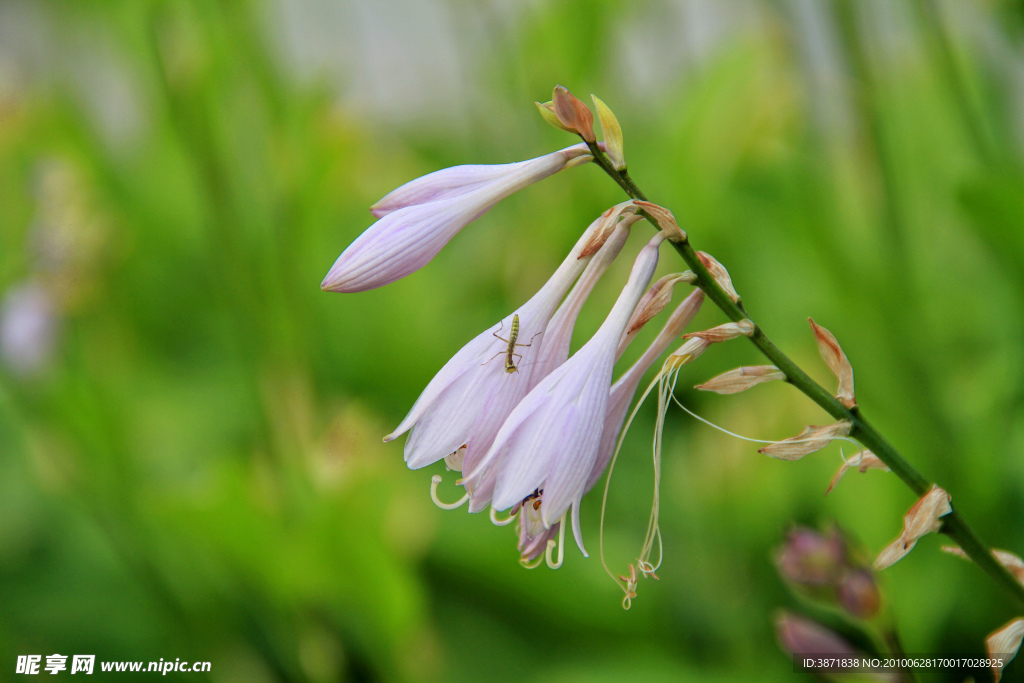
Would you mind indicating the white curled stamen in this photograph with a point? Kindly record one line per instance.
(434, 481)
(532, 564)
(555, 564)
(502, 522)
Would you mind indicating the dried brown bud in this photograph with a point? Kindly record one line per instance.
(741, 379)
(920, 520)
(863, 461)
(665, 220)
(1013, 564)
(858, 594)
(653, 302)
(720, 274)
(811, 439)
(573, 114)
(1004, 644)
(721, 333)
(836, 361)
(606, 223)
(688, 352)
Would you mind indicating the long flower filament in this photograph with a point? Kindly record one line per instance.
(502, 522)
(434, 481)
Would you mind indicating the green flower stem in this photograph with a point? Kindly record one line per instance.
(953, 525)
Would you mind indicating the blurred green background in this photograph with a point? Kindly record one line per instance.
(190, 455)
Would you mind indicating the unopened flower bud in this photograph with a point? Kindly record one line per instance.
(811, 558)
(574, 116)
(920, 520)
(862, 461)
(799, 636)
(811, 439)
(741, 379)
(665, 221)
(1003, 645)
(720, 274)
(837, 362)
(858, 593)
(547, 112)
(612, 133)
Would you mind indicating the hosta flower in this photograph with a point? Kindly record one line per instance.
(418, 218)
(554, 349)
(625, 387)
(550, 441)
(533, 536)
(463, 407)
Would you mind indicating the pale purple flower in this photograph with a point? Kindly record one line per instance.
(624, 389)
(28, 328)
(554, 349)
(549, 442)
(533, 536)
(466, 403)
(420, 217)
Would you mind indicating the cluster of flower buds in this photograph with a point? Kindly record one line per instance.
(827, 568)
(530, 427)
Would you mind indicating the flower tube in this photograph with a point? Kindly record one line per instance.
(554, 349)
(624, 389)
(420, 217)
(549, 442)
(465, 404)
(533, 537)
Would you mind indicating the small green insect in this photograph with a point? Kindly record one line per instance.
(510, 353)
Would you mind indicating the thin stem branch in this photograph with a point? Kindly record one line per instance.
(953, 524)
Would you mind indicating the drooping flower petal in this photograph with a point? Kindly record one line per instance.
(419, 218)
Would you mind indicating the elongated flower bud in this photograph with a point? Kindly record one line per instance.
(836, 361)
(420, 217)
